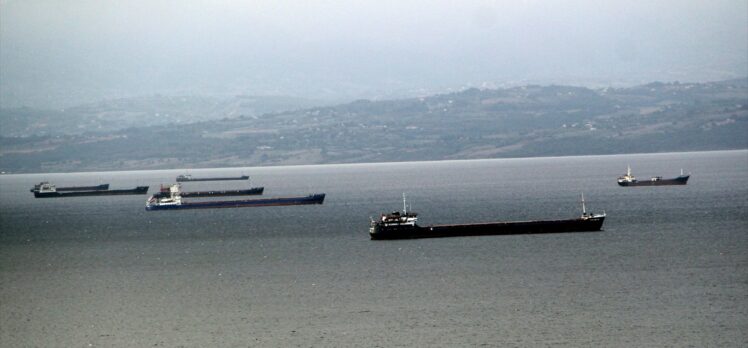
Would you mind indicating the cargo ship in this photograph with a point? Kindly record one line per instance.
(187, 177)
(166, 192)
(174, 202)
(629, 180)
(72, 188)
(47, 190)
(404, 225)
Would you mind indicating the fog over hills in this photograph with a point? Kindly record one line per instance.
(92, 85)
(59, 54)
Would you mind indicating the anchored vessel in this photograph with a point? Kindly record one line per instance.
(47, 190)
(187, 177)
(166, 192)
(403, 226)
(629, 180)
(72, 188)
(174, 201)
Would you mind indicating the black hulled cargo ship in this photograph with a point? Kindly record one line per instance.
(72, 188)
(166, 192)
(48, 190)
(187, 177)
(174, 202)
(404, 226)
(629, 180)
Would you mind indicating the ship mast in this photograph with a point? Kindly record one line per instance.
(628, 170)
(405, 207)
(584, 209)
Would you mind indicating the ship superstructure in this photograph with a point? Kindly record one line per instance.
(397, 219)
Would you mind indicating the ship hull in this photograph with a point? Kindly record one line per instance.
(217, 193)
(381, 232)
(681, 180)
(243, 177)
(265, 202)
(136, 191)
(77, 188)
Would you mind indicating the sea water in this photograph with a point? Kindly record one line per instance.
(669, 269)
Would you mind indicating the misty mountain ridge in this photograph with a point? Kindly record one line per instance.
(147, 111)
(57, 55)
(522, 121)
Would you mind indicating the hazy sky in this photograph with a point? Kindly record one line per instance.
(59, 53)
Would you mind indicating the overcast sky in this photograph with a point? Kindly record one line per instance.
(60, 53)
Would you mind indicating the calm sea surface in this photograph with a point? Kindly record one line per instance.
(669, 269)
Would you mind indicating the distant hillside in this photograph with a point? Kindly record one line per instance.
(515, 122)
(116, 114)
